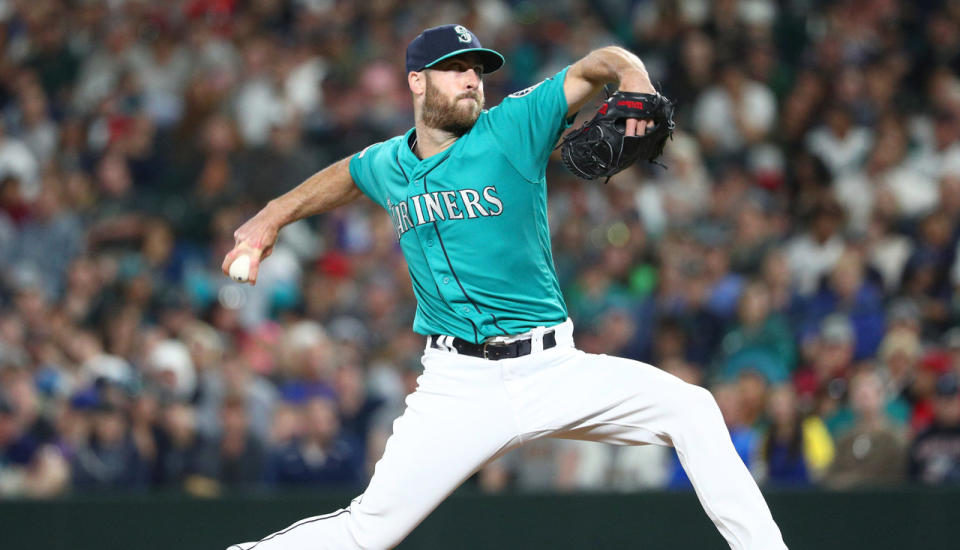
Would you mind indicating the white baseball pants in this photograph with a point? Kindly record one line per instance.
(467, 411)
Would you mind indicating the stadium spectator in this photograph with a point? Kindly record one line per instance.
(318, 454)
(242, 456)
(873, 451)
(849, 292)
(935, 453)
(796, 449)
(109, 459)
(184, 456)
(760, 338)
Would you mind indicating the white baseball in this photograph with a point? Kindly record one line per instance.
(240, 269)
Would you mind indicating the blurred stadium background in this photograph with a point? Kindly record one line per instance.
(798, 258)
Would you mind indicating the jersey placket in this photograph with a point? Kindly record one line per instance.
(430, 235)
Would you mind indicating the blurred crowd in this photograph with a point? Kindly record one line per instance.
(798, 257)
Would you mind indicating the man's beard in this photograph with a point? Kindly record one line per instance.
(451, 116)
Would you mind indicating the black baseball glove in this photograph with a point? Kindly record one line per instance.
(600, 149)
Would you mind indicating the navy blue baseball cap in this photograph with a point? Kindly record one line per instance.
(438, 43)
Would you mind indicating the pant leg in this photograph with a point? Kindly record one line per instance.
(619, 401)
(456, 421)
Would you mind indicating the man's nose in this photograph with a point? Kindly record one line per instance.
(472, 79)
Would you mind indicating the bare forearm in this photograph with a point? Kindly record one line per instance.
(327, 189)
(615, 65)
(321, 192)
(604, 66)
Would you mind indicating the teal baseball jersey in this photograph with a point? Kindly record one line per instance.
(472, 220)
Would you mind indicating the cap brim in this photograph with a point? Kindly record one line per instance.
(491, 59)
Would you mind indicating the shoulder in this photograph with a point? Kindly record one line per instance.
(375, 149)
(549, 85)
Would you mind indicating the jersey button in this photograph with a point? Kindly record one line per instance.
(446, 280)
(466, 309)
(429, 242)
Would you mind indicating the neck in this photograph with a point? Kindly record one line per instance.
(430, 141)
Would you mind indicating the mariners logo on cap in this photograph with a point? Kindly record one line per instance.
(463, 34)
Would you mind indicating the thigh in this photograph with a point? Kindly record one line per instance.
(611, 399)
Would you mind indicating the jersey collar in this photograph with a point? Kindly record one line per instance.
(412, 165)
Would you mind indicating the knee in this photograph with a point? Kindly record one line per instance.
(699, 403)
(378, 542)
(375, 533)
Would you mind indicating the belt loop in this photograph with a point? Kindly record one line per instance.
(536, 340)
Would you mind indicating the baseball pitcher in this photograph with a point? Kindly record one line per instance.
(466, 190)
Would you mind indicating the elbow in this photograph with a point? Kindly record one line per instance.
(607, 65)
(613, 49)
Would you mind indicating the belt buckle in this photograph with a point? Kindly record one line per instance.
(487, 345)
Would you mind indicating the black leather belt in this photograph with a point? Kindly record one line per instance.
(493, 351)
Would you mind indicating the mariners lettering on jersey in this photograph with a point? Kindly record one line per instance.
(463, 204)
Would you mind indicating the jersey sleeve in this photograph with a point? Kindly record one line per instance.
(528, 123)
(364, 166)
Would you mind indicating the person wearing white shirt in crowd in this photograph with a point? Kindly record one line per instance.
(737, 113)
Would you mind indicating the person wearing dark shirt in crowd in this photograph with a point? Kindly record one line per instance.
(184, 457)
(108, 459)
(320, 455)
(935, 453)
(242, 456)
(848, 291)
(795, 450)
(31, 461)
(357, 407)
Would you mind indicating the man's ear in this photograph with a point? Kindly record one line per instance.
(417, 82)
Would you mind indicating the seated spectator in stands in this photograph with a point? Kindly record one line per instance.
(912, 193)
(873, 451)
(951, 343)
(898, 355)
(795, 450)
(839, 143)
(184, 456)
(28, 467)
(758, 330)
(172, 368)
(752, 388)
(117, 220)
(934, 364)
(887, 251)
(109, 459)
(318, 454)
(813, 253)
(232, 375)
(847, 291)
(735, 114)
(724, 286)
(242, 457)
(935, 453)
(822, 384)
(357, 407)
(308, 361)
(926, 275)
